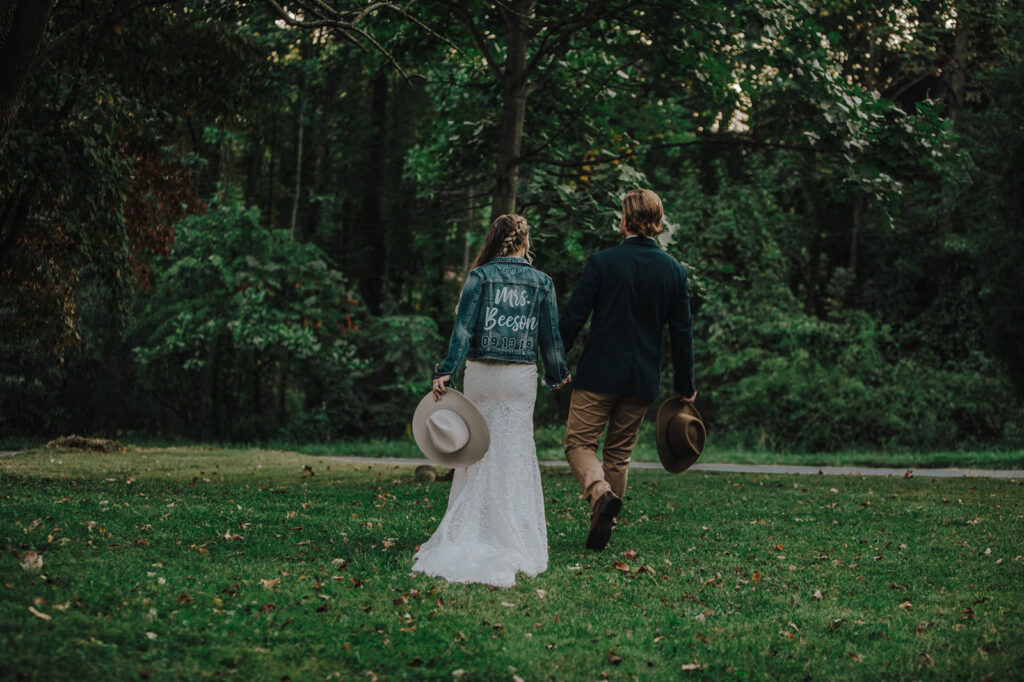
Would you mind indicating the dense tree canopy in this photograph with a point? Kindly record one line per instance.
(252, 219)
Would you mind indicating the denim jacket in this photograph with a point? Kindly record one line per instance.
(507, 312)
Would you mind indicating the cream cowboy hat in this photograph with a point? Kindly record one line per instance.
(680, 433)
(450, 432)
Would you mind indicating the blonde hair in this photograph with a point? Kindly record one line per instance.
(506, 236)
(642, 212)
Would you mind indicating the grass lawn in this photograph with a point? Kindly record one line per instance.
(192, 563)
(549, 447)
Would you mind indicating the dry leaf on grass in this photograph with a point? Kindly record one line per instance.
(621, 566)
(32, 562)
(692, 666)
(38, 614)
(614, 658)
(270, 584)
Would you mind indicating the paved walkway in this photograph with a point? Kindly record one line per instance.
(736, 468)
(757, 468)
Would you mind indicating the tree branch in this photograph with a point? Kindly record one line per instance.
(478, 38)
(633, 153)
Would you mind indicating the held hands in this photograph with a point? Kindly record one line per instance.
(565, 382)
(441, 386)
(689, 398)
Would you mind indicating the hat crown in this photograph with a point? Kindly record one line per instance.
(680, 434)
(685, 432)
(448, 431)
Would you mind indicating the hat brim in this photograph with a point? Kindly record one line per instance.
(675, 462)
(479, 433)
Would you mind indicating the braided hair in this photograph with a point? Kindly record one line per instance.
(507, 234)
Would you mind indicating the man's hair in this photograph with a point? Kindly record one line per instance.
(642, 212)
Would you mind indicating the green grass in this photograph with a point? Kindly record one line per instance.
(549, 447)
(749, 577)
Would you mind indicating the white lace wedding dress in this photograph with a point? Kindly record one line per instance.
(494, 526)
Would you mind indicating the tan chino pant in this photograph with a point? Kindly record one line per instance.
(589, 414)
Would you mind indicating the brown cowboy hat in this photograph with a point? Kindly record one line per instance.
(680, 434)
(450, 432)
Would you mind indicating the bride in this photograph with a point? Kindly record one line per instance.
(494, 526)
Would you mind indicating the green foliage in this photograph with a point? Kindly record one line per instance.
(400, 352)
(849, 210)
(239, 306)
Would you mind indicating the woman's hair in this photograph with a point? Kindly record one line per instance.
(506, 236)
(642, 212)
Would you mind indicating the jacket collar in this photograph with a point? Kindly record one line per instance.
(637, 240)
(509, 259)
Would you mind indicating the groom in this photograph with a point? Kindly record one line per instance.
(632, 290)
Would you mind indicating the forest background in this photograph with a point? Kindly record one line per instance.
(245, 221)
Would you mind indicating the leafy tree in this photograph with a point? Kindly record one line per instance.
(238, 316)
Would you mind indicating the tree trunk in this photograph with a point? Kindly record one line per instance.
(467, 250)
(815, 215)
(22, 27)
(513, 106)
(374, 228)
(298, 166)
(855, 228)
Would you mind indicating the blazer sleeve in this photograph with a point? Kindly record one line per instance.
(552, 351)
(465, 323)
(681, 336)
(581, 303)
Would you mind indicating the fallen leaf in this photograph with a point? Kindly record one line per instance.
(756, 577)
(266, 608)
(629, 554)
(151, 635)
(621, 566)
(270, 584)
(32, 562)
(508, 605)
(857, 658)
(906, 605)
(692, 666)
(185, 599)
(38, 614)
(922, 626)
(659, 638)
(927, 660)
(817, 594)
(614, 658)
(542, 593)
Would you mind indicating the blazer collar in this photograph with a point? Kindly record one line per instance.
(640, 241)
